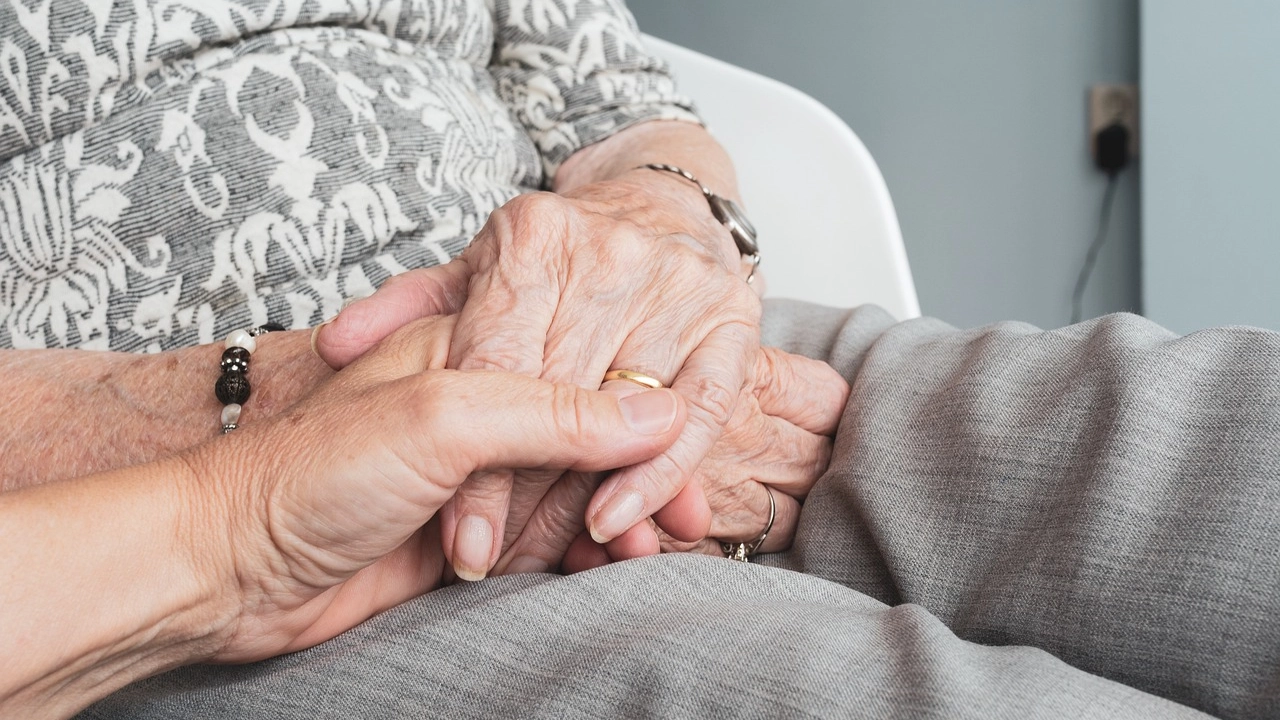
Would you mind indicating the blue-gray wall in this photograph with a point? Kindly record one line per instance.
(976, 113)
(1211, 199)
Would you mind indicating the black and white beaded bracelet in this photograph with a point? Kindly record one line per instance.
(232, 387)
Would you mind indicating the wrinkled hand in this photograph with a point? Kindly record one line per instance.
(328, 509)
(633, 273)
(779, 437)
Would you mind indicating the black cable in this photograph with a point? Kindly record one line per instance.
(1104, 219)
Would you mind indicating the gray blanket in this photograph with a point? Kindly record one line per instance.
(1016, 523)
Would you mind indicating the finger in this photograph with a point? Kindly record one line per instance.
(705, 546)
(584, 554)
(747, 522)
(543, 542)
(666, 313)
(688, 515)
(511, 301)
(461, 422)
(781, 455)
(641, 540)
(545, 529)
(574, 427)
(687, 512)
(471, 522)
(544, 533)
(711, 381)
(420, 345)
(529, 490)
(593, 318)
(401, 299)
(805, 392)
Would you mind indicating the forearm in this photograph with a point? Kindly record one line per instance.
(72, 413)
(683, 144)
(106, 580)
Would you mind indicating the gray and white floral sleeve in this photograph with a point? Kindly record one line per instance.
(576, 72)
(173, 169)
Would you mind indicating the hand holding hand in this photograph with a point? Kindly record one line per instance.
(330, 506)
(633, 273)
(779, 440)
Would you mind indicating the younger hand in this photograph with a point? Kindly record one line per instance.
(330, 506)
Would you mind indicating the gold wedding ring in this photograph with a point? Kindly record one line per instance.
(632, 376)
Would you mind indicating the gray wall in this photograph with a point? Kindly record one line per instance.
(1211, 201)
(975, 111)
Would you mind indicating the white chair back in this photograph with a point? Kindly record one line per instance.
(828, 231)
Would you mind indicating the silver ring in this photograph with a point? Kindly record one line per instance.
(742, 551)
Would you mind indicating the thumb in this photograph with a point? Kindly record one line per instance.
(502, 420)
(406, 448)
(400, 300)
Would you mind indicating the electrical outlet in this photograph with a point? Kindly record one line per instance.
(1114, 103)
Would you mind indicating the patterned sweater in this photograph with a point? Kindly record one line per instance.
(173, 169)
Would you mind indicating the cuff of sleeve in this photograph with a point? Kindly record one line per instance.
(562, 141)
(563, 118)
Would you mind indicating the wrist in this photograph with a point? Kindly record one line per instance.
(221, 525)
(664, 204)
(725, 245)
(142, 547)
(175, 391)
(282, 371)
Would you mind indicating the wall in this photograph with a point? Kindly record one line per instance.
(1211, 202)
(975, 111)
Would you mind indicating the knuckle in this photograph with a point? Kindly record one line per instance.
(746, 302)
(768, 363)
(572, 412)
(393, 283)
(533, 212)
(627, 244)
(713, 397)
(500, 349)
(688, 258)
(500, 362)
(428, 402)
(821, 461)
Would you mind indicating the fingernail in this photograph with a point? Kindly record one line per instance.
(472, 547)
(619, 513)
(526, 564)
(649, 413)
(315, 334)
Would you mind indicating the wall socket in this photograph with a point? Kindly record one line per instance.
(1114, 103)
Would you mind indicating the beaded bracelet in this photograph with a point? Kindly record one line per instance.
(232, 387)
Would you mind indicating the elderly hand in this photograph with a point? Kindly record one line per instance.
(779, 440)
(633, 273)
(331, 502)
